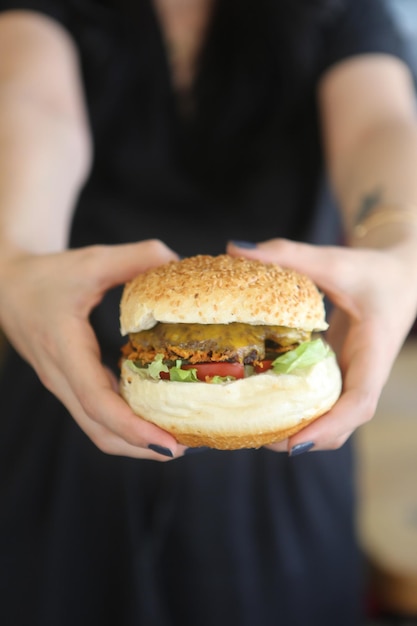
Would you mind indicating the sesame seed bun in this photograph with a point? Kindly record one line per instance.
(220, 290)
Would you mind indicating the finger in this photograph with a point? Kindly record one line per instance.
(364, 379)
(333, 429)
(112, 379)
(89, 387)
(279, 446)
(106, 440)
(114, 265)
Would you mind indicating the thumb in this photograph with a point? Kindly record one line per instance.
(121, 263)
(331, 268)
(302, 257)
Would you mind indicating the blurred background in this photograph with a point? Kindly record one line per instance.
(405, 11)
(387, 461)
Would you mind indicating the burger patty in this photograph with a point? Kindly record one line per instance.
(202, 343)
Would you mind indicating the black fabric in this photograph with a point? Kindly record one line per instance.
(240, 538)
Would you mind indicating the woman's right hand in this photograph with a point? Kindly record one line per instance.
(45, 304)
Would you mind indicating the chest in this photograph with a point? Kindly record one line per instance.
(184, 25)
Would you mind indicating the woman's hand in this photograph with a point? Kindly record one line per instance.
(375, 300)
(45, 303)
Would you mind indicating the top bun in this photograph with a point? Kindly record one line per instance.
(219, 290)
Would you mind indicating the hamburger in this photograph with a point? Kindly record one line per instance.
(226, 352)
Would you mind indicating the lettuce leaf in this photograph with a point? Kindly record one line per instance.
(150, 371)
(182, 376)
(306, 354)
(218, 380)
(142, 371)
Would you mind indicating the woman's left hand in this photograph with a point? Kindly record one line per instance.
(374, 296)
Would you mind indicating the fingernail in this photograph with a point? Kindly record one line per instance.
(196, 450)
(301, 447)
(160, 450)
(244, 244)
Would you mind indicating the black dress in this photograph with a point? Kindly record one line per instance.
(246, 538)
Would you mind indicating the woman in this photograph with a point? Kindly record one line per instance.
(180, 126)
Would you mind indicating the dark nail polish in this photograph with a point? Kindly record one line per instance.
(160, 450)
(301, 447)
(244, 244)
(196, 450)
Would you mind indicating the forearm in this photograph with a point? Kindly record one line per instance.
(43, 162)
(379, 174)
(44, 140)
(369, 121)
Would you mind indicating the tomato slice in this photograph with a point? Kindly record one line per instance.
(209, 370)
(263, 366)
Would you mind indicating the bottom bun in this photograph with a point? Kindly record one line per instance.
(246, 413)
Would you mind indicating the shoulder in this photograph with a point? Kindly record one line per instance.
(362, 27)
